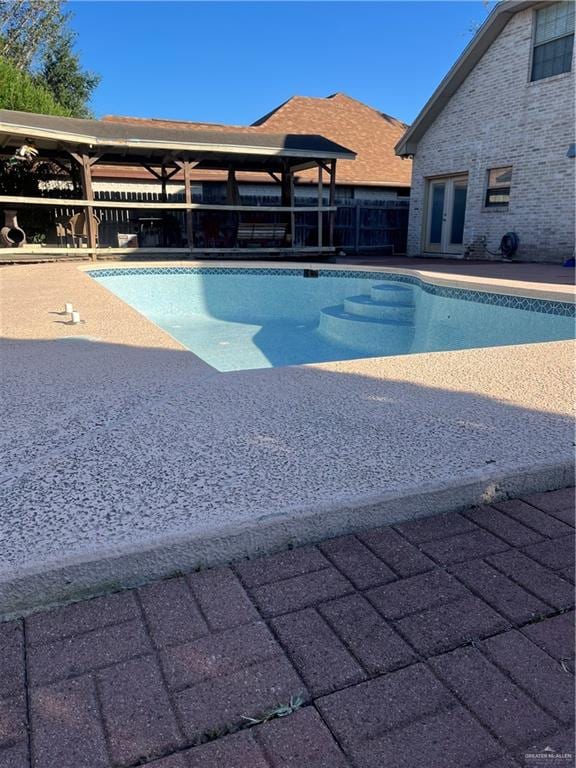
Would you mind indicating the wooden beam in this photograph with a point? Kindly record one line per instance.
(64, 202)
(276, 178)
(302, 166)
(80, 159)
(188, 198)
(331, 203)
(320, 202)
(286, 201)
(182, 163)
(86, 162)
(21, 254)
(163, 174)
(173, 172)
(152, 171)
(164, 191)
(292, 214)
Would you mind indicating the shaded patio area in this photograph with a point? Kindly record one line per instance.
(63, 212)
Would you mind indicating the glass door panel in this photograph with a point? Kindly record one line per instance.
(436, 215)
(460, 189)
(437, 212)
(446, 214)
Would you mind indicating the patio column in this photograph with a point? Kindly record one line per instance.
(186, 167)
(86, 162)
(292, 214)
(331, 202)
(286, 199)
(320, 204)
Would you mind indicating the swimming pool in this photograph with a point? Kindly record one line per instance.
(240, 318)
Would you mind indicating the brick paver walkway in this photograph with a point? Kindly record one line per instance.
(441, 643)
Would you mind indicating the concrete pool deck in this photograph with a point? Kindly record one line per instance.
(127, 458)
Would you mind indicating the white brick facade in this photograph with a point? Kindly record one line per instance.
(497, 117)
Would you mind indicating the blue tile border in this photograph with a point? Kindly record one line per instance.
(546, 306)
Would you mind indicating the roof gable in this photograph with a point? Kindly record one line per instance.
(372, 135)
(468, 59)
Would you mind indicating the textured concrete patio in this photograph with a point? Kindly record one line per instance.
(127, 458)
(441, 643)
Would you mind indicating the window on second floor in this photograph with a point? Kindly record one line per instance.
(553, 40)
(498, 188)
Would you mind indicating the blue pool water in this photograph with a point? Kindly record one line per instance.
(257, 318)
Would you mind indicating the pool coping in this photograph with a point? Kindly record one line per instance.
(171, 555)
(548, 292)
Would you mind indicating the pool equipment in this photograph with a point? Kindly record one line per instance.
(507, 248)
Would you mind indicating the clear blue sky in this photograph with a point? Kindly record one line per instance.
(232, 62)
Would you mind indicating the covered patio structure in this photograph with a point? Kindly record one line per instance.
(71, 148)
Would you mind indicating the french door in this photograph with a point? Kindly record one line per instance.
(445, 215)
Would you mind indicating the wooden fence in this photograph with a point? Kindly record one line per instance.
(360, 225)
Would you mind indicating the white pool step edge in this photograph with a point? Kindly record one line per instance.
(391, 336)
(396, 293)
(364, 306)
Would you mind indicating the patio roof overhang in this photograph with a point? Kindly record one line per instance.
(123, 143)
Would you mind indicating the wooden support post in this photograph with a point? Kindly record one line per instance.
(86, 162)
(292, 214)
(331, 203)
(163, 180)
(285, 201)
(320, 204)
(186, 167)
(165, 175)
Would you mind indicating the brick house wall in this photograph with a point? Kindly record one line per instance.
(498, 117)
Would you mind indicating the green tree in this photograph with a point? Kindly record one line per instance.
(62, 73)
(18, 90)
(36, 39)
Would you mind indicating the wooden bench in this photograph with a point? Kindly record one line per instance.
(259, 234)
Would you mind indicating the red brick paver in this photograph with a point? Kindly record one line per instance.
(222, 599)
(508, 598)
(446, 642)
(317, 652)
(137, 711)
(67, 726)
(172, 613)
(533, 669)
(543, 523)
(499, 704)
(357, 562)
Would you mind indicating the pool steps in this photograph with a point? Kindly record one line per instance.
(364, 306)
(400, 294)
(385, 316)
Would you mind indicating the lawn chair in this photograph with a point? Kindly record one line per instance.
(78, 230)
